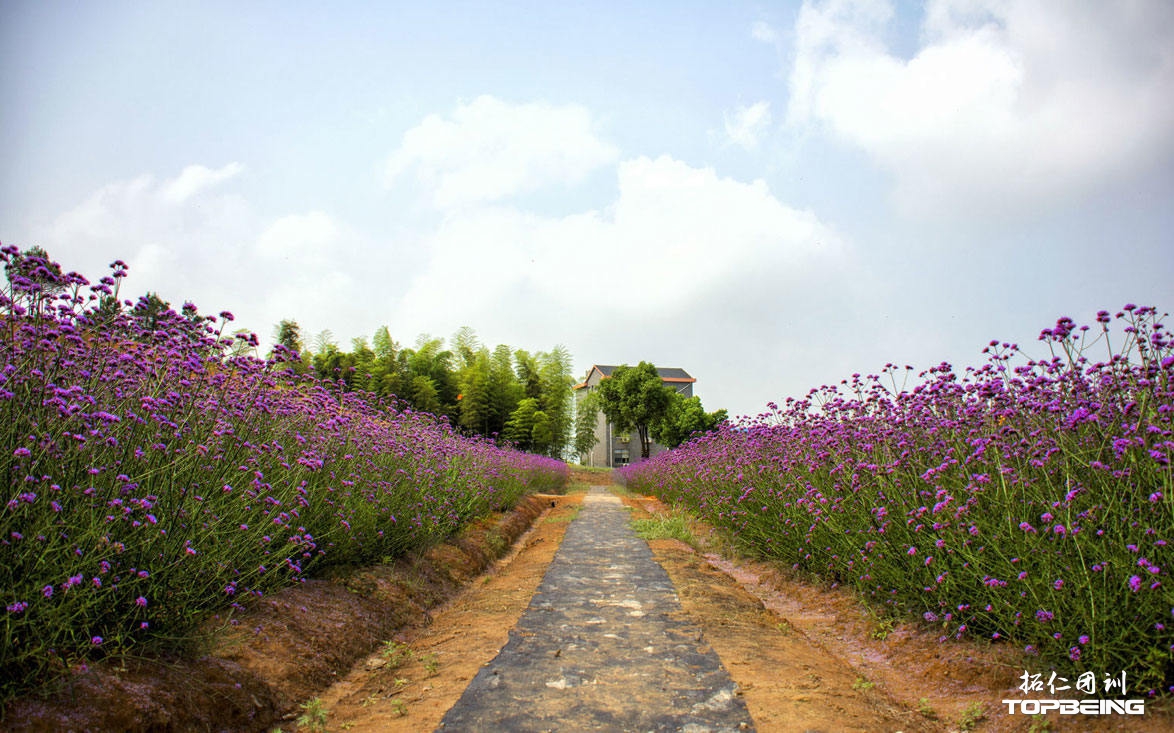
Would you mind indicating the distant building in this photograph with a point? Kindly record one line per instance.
(617, 448)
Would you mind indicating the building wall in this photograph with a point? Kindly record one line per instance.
(612, 449)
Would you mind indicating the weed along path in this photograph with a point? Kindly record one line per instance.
(604, 645)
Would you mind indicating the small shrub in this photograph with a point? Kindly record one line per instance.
(313, 717)
(974, 714)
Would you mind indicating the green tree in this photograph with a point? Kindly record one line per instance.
(363, 365)
(288, 334)
(424, 396)
(475, 398)
(466, 346)
(504, 389)
(634, 398)
(149, 310)
(529, 373)
(685, 418)
(556, 397)
(40, 279)
(242, 343)
(586, 416)
(385, 347)
(528, 427)
(431, 360)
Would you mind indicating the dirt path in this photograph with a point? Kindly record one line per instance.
(603, 645)
(409, 693)
(786, 682)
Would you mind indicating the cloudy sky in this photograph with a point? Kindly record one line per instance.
(770, 195)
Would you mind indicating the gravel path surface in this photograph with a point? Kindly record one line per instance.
(603, 646)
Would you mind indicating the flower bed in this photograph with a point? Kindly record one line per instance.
(153, 477)
(1024, 500)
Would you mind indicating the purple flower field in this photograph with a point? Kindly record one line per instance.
(1025, 501)
(155, 475)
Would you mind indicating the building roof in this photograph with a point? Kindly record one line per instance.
(675, 375)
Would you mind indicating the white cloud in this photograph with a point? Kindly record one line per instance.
(489, 150)
(197, 178)
(305, 237)
(1005, 105)
(676, 236)
(192, 238)
(762, 31)
(682, 266)
(154, 225)
(747, 125)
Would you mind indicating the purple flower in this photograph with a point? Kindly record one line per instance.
(141, 602)
(96, 640)
(1134, 583)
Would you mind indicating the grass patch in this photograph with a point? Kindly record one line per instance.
(674, 527)
(566, 517)
(974, 714)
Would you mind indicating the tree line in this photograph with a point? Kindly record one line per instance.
(502, 393)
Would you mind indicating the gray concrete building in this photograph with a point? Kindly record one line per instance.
(615, 448)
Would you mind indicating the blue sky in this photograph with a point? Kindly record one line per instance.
(770, 195)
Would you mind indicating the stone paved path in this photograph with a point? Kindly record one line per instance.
(603, 646)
